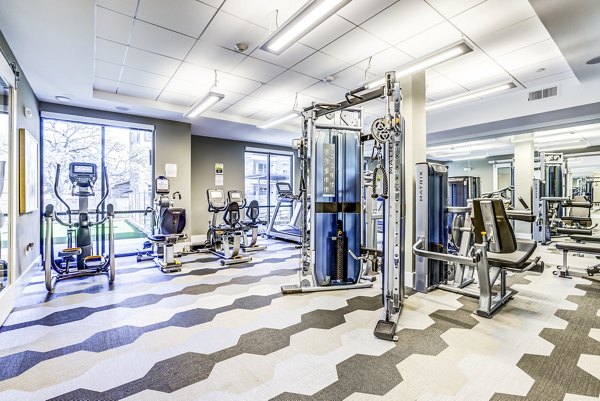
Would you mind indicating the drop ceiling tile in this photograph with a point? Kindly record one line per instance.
(353, 77)
(107, 70)
(238, 84)
(226, 30)
(264, 15)
(240, 111)
(491, 16)
(450, 8)
(254, 103)
(189, 17)
(194, 73)
(113, 26)
(105, 85)
(303, 100)
(326, 91)
(517, 36)
(532, 54)
(402, 20)
(143, 78)
(213, 3)
(550, 67)
(257, 70)
(358, 11)
(219, 107)
(291, 56)
(230, 96)
(151, 62)
(492, 80)
(126, 7)
(138, 91)
(387, 60)
(354, 46)
(293, 81)
(466, 60)
(320, 65)
(159, 40)
(212, 56)
(548, 79)
(192, 89)
(271, 93)
(267, 114)
(177, 98)
(476, 73)
(431, 40)
(442, 87)
(334, 27)
(110, 52)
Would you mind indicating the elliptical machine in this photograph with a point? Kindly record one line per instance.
(77, 259)
(169, 223)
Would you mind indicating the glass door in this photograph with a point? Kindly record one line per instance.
(262, 172)
(6, 129)
(127, 155)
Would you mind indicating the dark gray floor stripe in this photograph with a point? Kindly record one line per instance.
(34, 299)
(79, 313)
(16, 364)
(354, 371)
(186, 369)
(557, 374)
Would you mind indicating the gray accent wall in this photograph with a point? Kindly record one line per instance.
(27, 225)
(172, 139)
(206, 152)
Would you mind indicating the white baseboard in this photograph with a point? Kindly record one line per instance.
(8, 296)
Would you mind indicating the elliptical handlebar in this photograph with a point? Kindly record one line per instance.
(56, 182)
(106, 189)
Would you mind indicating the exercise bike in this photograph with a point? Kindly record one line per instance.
(169, 223)
(78, 259)
(251, 222)
(224, 240)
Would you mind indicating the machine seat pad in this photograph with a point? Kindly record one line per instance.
(166, 238)
(517, 260)
(577, 219)
(577, 247)
(93, 261)
(69, 252)
(585, 238)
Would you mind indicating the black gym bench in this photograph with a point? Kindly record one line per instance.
(585, 244)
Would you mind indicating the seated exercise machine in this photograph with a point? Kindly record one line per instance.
(292, 231)
(251, 222)
(585, 244)
(169, 223)
(557, 214)
(224, 240)
(488, 243)
(331, 154)
(78, 259)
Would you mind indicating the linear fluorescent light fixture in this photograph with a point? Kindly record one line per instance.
(469, 96)
(303, 21)
(278, 120)
(207, 101)
(430, 60)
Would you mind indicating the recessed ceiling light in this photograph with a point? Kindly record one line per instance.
(329, 78)
(122, 108)
(541, 69)
(595, 60)
(63, 99)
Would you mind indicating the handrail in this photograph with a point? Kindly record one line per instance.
(56, 181)
(444, 257)
(106, 189)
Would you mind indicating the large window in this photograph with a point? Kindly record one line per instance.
(262, 171)
(127, 155)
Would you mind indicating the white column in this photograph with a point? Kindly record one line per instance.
(524, 174)
(413, 110)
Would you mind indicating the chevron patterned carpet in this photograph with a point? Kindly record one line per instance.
(227, 333)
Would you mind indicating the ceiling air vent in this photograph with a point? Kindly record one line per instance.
(543, 93)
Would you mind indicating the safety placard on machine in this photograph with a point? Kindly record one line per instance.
(329, 166)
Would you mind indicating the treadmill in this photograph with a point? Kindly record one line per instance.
(292, 231)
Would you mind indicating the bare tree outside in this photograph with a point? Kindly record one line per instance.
(128, 159)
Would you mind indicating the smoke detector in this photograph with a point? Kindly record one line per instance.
(241, 47)
(328, 79)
